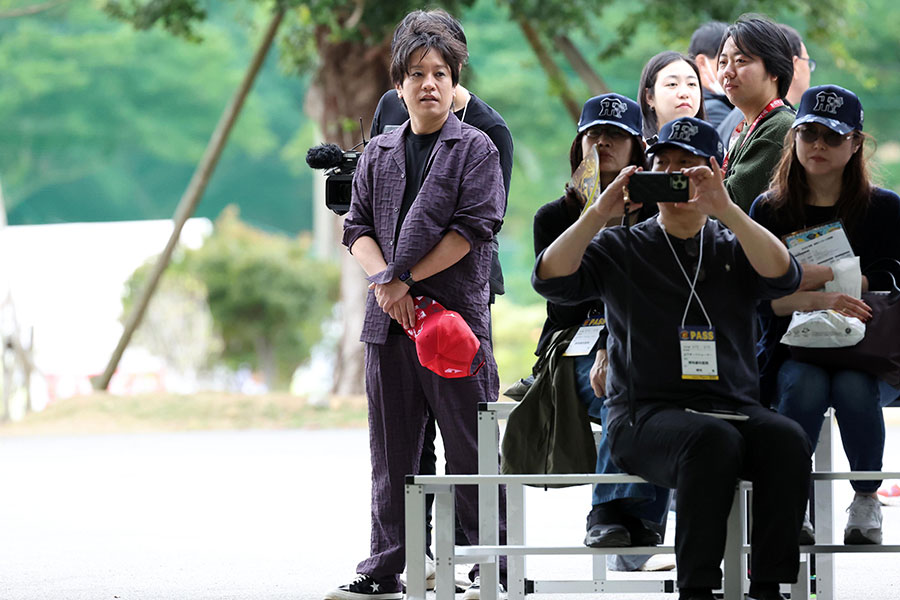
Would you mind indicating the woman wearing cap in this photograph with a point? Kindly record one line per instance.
(612, 124)
(755, 69)
(823, 177)
(669, 89)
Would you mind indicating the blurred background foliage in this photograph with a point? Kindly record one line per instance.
(245, 298)
(102, 122)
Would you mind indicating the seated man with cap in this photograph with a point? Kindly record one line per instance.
(680, 293)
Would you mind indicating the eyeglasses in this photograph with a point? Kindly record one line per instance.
(809, 134)
(610, 132)
(811, 61)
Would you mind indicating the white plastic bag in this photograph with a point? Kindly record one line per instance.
(847, 277)
(823, 329)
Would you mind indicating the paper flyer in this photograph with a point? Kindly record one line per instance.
(822, 244)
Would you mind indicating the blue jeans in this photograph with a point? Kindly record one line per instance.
(888, 393)
(806, 391)
(649, 502)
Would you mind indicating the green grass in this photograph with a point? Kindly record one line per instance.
(105, 413)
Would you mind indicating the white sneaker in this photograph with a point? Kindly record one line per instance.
(864, 523)
(429, 574)
(659, 562)
(473, 592)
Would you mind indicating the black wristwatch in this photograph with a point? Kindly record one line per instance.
(406, 277)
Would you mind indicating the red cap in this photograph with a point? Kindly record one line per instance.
(444, 342)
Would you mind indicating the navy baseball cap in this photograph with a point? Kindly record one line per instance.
(611, 109)
(696, 136)
(832, 106)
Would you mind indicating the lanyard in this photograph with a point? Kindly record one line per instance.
(691, 284)
(740, 127)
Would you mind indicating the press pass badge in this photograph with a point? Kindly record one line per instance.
(586, 337)
(698, 353)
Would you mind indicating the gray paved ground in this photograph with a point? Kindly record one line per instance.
(252, 515)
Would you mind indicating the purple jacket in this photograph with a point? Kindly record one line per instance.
(462, 192)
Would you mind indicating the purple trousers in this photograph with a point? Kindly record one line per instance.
(399, 389)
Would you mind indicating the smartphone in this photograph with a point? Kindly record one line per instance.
(728, 415)
(648, 187)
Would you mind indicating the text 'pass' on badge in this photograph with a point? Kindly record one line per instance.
(698, 353)
(586, 337)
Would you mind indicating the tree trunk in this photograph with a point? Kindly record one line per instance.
(192, 196)
(265, 353)
(587, 73)
(27, 11)
(349, 82)
(554, 73)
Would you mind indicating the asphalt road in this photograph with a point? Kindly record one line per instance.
(249, 515)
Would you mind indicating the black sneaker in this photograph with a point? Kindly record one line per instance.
(366, 587)
(640, 534)
(607, 535)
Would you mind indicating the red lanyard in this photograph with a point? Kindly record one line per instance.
(737, 130)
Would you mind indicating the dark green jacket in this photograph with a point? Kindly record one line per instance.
(751, 164)
(549, 431)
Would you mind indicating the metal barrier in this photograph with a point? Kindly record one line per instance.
(486, 553)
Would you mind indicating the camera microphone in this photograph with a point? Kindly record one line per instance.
(324, 156)
(339, 167)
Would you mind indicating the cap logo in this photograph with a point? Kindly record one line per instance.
(683, 131)
(612, 107)
(828, 102)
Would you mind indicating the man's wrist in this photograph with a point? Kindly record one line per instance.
(596, 217)
(731, 215)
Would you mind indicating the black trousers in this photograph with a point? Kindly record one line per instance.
(703, 458)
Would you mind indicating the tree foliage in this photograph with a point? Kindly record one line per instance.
(177, 326)
(266, 295)
(99, 123)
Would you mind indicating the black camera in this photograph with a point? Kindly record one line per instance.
(339, 166)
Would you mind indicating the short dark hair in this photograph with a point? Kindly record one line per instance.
(425, 33)
(439, 15)
(755, 35)
(648, 80)
(793, 38)
(706, 39)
